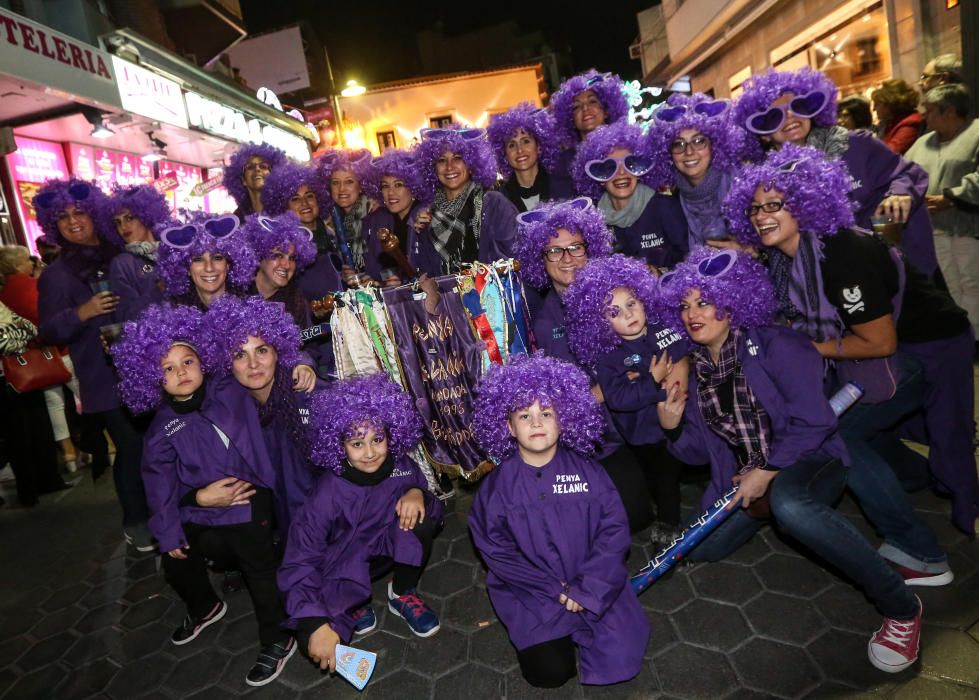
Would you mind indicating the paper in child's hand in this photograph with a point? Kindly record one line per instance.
(355, 665)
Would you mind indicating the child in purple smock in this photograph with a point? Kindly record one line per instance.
(208, 478)
(612, 327)
(370, 506)
(551, 528)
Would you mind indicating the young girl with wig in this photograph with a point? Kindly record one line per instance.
(756, 411)
(208, 476)
(551, 528)
(371, 506)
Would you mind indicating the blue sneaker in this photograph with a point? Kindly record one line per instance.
(421, 619)
(364, 620)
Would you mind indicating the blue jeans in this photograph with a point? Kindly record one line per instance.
(127, 468)
(802, 498)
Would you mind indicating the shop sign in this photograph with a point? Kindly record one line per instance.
(234, 125)
(148, 94)
(38, 54)
(108, 167)
(167, 183)
(203, 188)
(31, 164)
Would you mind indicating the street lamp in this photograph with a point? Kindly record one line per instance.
(352, 89)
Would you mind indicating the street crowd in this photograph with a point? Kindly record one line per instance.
(696, 288)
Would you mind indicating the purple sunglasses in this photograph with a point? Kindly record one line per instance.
(536, 215)
(605, 169)
(79, 192)
(600, 78)
(467, 134)
(709, 108)
(183, 236)
(717, 265)
(268, 224)
(771, 120)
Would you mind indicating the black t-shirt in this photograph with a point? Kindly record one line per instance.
(860, 279)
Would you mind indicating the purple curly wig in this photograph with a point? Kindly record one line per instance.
(173, 264)
(144, 343)
(535, 121)
(552, 382)
(536, 236)
(57, 195)
(357, 161)
(730, 143)
(401, 164)
(761, 90)
(346, 408)
(610, 92)
(477, 154)
(598, 144)
(266, 235)
(284, 182)
(230, 320)
(816, 191)
(742, 293)
(145, 202)
(236, 167)
(590, 333)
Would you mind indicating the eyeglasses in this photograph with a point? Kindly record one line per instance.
(605, 169)
(467, 134)
(771, 120)
(698, 143)
(261, 165)
(768, 207)
(708, 108)
(556, 253)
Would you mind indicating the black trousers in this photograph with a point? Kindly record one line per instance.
(30, 444)
(662, 472)
(548, 664)
(626, 474)
(406, 576)
(246, 547)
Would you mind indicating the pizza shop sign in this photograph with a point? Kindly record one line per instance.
(230, 123)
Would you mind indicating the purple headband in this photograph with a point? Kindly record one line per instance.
(535, 121)
(179, 245)
(144, 343)
(761, 90)
(401, 164)
(815, 189)
(590, 333)
(474, 149)
(540, 225)
(55, 196)
(284, 182)
(145, 202)
(527, 379)
(235, 168)
(345, 408)
(610, 91)
(598, 145)
(267, 235)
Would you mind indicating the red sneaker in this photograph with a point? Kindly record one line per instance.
(913, 577)
(895, 645)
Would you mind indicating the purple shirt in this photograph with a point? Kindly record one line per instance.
(422, 258)
(658, 236)
(135, 280)
(294, 474)
(561, 528)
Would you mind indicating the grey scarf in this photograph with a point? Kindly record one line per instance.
(144, 249)
(834, 141)
(627, 216)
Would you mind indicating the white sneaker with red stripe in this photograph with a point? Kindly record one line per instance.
(894, 647)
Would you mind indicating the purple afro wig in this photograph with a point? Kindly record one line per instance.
(816, 192)
(610, 91)
(527, 379)
(284, 182)
(230, 320)
(401, 164)
(590, 333)
(577, 216)
(535, 121)
(144, 343)
(57, 195)
(145, 202)
(195, 239)
(235, 168)
(730, 143)
(761, 90)
(357, 162)
(476, 152)
(345, 410)
(737, 285)
(266, 235)
(598, 145)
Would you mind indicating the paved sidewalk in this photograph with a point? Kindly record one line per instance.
(81, 616)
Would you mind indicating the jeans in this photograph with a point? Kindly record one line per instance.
(126, 470)
(802, 498)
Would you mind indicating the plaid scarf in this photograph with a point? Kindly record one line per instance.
(452, 223)
(747, 426)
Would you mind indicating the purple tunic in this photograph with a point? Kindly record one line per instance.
(785, 374)
(340, 528)
(423, 258)
(658, 236)
(135, 280)
(185, 452)
(294, 474)
(561, 528)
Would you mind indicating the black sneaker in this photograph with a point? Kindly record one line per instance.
(270, 662)
(188, 631)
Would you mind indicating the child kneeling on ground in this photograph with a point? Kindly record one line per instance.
(552, 529)
(370, 506)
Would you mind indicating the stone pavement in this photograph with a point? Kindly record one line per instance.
(81, 616)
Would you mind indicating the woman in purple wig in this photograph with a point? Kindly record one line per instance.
(344, 172)
(371, 506)
(74, 302)
(527, 152)
(470, 221)
(799, 108)
(246, 173)
(756, 412)
(551, 528)
(857, 298)
(696, 147)
(283, 248)
(132, 217)
(581, 105)
(613, 167)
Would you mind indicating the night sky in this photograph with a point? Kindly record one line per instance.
(374, 41)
